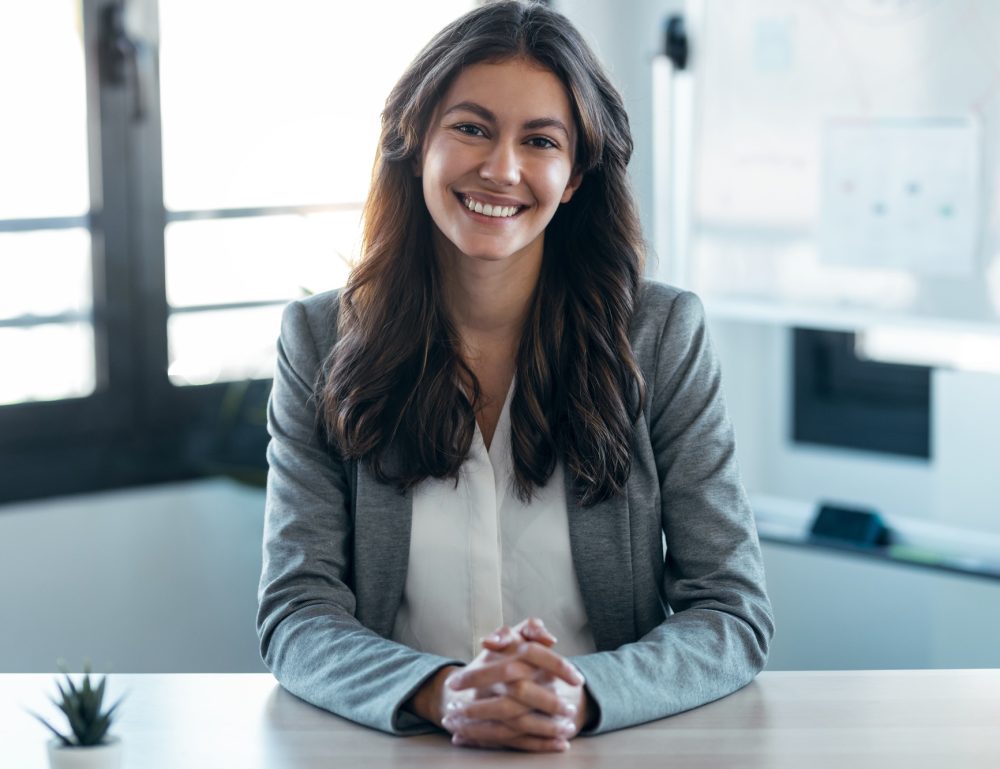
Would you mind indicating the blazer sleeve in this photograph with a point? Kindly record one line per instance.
(716, 638)
(309, 636)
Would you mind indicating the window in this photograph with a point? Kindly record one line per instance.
(174, 176)
(44, 199)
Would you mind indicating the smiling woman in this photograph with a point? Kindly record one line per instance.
(479, 445)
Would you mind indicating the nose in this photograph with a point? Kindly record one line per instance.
(502, 165)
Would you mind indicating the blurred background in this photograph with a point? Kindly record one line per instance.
(823, 173)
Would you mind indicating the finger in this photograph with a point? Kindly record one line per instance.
(544, 679)
(533, 629)
(528, 744)
(540, 744)
(488, 674)
(495, 708)
(479, 731)
(497, 644)
(465, 742)
(539, 725)
(550, 662)
(503, 636)
(497, 690)
(527, 656)
(541, 698)
(500, 734)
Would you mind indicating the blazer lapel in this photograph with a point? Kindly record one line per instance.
(600, 541)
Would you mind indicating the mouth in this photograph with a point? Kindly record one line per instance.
(489, 210)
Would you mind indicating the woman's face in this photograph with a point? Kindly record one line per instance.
(498, 160)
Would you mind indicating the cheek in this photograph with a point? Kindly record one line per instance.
(556, 179)
(440, 161)
(432, 179)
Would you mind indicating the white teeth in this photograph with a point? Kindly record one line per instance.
(500, 212)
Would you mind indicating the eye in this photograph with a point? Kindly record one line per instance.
(469, 129)
(542, 143)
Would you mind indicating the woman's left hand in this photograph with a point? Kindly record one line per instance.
(524, 691)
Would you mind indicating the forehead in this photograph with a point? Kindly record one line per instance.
(515, 89)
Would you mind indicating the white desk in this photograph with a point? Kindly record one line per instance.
(799, 720)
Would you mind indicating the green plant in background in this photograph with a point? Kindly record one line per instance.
(81, 703)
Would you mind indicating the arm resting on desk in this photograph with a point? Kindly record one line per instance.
(717, 639)
(309, 635)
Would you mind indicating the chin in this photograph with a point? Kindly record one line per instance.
(484, 254)
(480, 257)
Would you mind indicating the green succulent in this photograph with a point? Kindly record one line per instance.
(81, 704)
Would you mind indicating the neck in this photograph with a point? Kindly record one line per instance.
(488, 301)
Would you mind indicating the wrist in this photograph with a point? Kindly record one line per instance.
(427, 701)
(586, 713)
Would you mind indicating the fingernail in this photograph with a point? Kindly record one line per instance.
(455, 706)
(456, 740)
(567, 710)
(534, 633)
(454, 682)
(562, 745)
(566, 728)
(577, 676)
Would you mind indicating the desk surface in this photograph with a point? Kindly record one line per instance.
(855, 719)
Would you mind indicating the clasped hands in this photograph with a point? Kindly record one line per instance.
(517, 693)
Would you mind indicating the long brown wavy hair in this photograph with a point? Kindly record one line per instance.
(391, 392)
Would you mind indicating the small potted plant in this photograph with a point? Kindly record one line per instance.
(88, 744)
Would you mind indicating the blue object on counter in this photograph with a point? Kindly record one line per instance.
(850, 526)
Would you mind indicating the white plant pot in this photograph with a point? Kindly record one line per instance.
(106, 756)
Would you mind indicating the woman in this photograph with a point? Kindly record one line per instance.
(498, 421)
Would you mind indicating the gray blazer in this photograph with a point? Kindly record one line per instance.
(672, 633)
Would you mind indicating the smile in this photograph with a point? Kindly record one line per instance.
(498, 212)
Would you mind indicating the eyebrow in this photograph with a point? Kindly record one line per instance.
(485, 114)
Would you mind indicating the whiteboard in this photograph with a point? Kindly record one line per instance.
(845, 164)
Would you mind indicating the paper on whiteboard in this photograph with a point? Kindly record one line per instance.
(901, 194)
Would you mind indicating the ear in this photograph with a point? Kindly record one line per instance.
(572, 186)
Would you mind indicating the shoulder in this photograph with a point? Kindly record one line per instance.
(665, 317)
(312, 323)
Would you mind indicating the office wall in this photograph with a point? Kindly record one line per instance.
(147, 580)
(958, 486)
(837, 611)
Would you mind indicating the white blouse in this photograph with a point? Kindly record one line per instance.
(481, 558)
